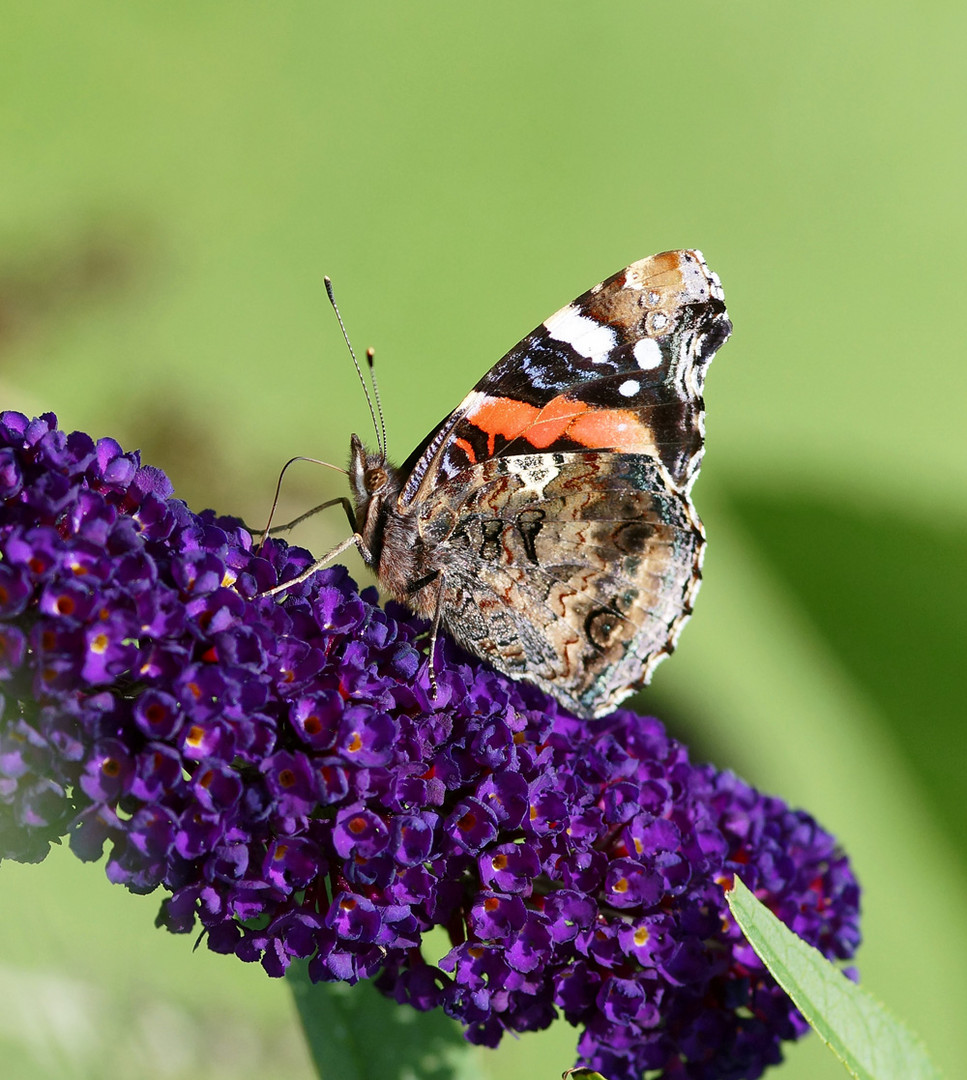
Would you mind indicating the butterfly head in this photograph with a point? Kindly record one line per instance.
(373, 481)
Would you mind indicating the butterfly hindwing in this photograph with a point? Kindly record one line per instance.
(604, 561)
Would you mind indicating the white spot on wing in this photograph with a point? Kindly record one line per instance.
(590, 339)
(647, 354)
(534, 472)
(629, 387)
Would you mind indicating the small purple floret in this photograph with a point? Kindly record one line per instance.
(283, 770)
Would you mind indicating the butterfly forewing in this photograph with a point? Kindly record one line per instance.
(620, 368)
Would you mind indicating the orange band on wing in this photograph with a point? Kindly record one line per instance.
(502, 416)
(554, 421)
(615, 429)
(562, 417)
(467, 449)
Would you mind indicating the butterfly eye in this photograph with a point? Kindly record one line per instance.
(374, 479)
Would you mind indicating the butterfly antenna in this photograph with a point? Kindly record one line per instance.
(379, 405)
(381, 446)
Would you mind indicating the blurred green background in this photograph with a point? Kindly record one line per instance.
(177, 178)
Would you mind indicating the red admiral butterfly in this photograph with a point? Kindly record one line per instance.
(546, 524)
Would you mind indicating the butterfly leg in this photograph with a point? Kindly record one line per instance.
(265, 533)
(342, 501)
(434, 631)
(350, 541)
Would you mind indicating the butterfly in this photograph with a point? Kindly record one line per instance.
(546, 524)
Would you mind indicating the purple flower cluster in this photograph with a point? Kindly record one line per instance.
(281, 768)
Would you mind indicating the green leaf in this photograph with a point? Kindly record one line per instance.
(578, 1073)
(355, 1033)
(871, 1043)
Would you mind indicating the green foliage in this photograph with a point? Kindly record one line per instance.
(885, 588)
(871, 1044)
(354, 1033)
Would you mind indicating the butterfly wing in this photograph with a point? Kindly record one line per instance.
(555, 498)
(621, 368)
(573, 570)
